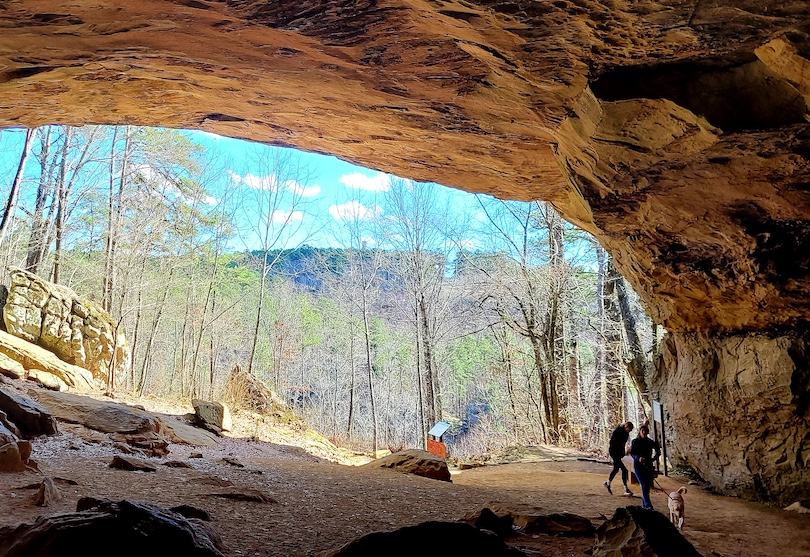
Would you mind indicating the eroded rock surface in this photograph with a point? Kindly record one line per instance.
(31, 418)
(739, 412)
(637, 532)
(414, 461)
(52, 316)
(133, 529)
(38, 363)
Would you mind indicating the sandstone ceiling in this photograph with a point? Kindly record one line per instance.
(676, 131)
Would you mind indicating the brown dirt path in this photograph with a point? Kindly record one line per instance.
(322, 505)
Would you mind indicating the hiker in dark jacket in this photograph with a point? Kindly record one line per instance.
(618, 442)
(645, 454)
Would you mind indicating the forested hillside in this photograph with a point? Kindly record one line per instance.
(508, 323)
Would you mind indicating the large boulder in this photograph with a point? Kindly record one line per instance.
(38, 363)
(637, 532)
(134, 427)
(213, 416)
(104, 528)
(428, 538)
(31, 418)
(100, 415)
(77, 330)
(414, 461)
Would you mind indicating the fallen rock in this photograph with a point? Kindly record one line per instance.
(636, 532)
(76, 330)
(12, 459)
(47, 493)
(129, 463)
(486, 519)
(243, 390)
(233, 461)
(104, 528)
(798, 508)
(414, 461)
(106, 416)
(244, 494)
(428, 538)
(528, 520)
(33, 357)
(151, 443)
(31, 418)
(177, 464)
(213, 416)
(47, 380)
(11, 367)
(8, 425)
(180, 431)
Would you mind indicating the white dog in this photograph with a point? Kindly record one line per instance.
(676, 507)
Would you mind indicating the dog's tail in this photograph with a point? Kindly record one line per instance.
(682, 490)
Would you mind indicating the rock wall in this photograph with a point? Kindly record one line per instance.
(52, 316)
(738, 411)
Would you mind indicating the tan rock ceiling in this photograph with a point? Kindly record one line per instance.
(676, 131)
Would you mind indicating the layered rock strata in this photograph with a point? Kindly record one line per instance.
(676, 131)
(78, 331)
(738, 411)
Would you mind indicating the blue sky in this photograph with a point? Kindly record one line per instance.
(333, 203)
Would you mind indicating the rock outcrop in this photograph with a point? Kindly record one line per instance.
(637, 532)
(676, 131)
(738, 412)
(132, 427)
(26, 414)
(133, 529)
(78, 331)
(39, 363)
(414, 461)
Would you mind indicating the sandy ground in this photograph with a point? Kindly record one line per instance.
(321, 505)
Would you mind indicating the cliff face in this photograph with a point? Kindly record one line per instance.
(676, 131)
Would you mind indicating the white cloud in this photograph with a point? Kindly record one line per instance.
(256, 182)
(286, 216)
(303, 191)
(209, 200)
(358, 181)
(354, 210)
(367, 240)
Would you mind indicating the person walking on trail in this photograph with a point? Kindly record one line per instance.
(618, 442)
(645, 454)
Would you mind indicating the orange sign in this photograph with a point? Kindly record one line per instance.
(437, 448)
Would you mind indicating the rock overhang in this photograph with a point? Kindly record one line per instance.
(675, 132)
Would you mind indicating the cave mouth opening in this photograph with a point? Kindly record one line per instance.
(732, 94)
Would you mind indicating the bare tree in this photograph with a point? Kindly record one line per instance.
(11, 202)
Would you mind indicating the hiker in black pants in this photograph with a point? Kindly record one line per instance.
(645, 453)
(618, 441)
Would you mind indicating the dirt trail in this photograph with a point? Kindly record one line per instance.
(322, 505)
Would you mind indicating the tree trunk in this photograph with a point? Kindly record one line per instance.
(11, 202)
(61, 204)
(259, 308)
(638, 367)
